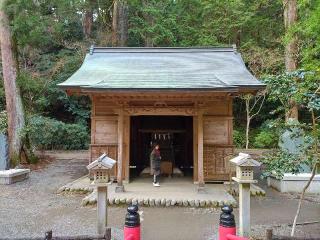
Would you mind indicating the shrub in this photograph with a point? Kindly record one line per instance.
(239, 138)
(50, 134)
(267, 135)
(266, 139)
(279, 162)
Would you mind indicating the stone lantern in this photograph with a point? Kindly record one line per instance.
(244, 168)
(244, 177)
(100, 169)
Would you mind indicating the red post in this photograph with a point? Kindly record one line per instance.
(132, 229)
(234, 237)
(227, 224)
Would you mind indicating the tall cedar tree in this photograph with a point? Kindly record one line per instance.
(291, 48)
(14, 106)
(120, 23)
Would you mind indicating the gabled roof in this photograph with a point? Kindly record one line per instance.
(102, 162)
(244, 159)
(111, 69)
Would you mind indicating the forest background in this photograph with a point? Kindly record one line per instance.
(51, 38)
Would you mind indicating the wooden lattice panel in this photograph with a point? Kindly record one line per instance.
(216, 162)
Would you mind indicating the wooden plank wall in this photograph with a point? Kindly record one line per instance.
(104, 131)
(218, 148)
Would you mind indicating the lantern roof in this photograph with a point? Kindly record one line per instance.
(102, 162)
(245, 160)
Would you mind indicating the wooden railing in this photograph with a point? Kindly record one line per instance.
(49, 236)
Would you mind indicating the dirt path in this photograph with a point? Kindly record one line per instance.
(32, 207)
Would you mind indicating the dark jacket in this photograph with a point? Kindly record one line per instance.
(155, 160)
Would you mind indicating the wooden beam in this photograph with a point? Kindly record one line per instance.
(120, 187)
(126, 147)
(200, 151)
(195, 149)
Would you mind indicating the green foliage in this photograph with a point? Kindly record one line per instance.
(2, 94)
(32, 158)
(47, 133)
(303, 87)
(300, 86)
(309, 34)
(239, 137)
(266, 139)
(280, 162)
(152, 21)
(3, 122)
(267, 136)
(255, 27)
(45, 24)
(51, 46)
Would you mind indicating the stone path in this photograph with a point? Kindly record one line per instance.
(178, 191)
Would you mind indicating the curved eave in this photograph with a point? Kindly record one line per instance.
(234, 89)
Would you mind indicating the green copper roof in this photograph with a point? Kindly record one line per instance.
(162, 69)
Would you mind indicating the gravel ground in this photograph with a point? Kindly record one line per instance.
(32, 207)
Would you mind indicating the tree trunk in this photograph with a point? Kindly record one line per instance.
(248, 122)
(290, 16)
(120, 23)
(313, 173)
(148, 41)
(247, 132)
(87, 22)
(14, 106)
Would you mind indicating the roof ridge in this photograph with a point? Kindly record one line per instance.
(94, 49)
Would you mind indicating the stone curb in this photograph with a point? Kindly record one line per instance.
(152, 202)
(254, 191)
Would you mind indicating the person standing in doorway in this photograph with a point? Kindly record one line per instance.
(155, 159)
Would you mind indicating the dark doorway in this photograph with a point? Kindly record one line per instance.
(175, 136)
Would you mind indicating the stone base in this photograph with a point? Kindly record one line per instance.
(119, 189)
(295, 182)
(254, 190)
(13, 175)
(201, 189)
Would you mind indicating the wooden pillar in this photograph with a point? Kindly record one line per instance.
(126, 147)
(195, 149)
(200, 152)
(120, 187)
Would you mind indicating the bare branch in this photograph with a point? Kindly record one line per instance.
(253, 115)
